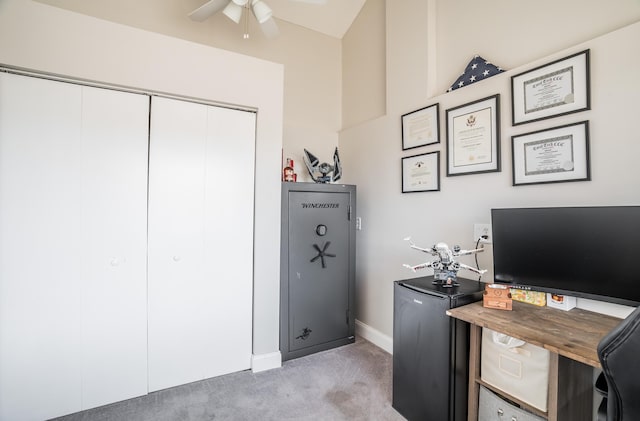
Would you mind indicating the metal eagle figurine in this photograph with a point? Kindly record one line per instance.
(445, 269)
(320, 172)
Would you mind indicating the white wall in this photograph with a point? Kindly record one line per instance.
(364, 66)
(40, 37)
(312, 63)
(429, 42)
(372, 151)
(514, 33)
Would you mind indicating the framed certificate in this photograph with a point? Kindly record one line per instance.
(552, 155)
(473, 137)
(421, 173)
(557, 88)
(420, 127)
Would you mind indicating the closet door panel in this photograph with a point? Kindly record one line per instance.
(114, 206)
(177, 289)
(39, 248)
(229, 194)
(200, 241)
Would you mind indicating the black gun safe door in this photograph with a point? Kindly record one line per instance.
(317, 267)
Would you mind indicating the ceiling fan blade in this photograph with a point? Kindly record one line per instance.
(270, 28)
(208, 9)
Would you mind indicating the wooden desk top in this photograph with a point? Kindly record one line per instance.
(574, 334)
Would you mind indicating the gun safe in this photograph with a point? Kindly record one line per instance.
(317, 272)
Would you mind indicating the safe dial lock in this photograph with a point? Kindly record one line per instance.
(321, 230)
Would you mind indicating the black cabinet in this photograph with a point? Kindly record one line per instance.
(317, 269)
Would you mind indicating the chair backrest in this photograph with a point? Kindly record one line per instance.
(619, 354)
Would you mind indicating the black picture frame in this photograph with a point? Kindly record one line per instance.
(421, 127)
(554, 89)
(555, 155)
(473, 137)
(421, 173)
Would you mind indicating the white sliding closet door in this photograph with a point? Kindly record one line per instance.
(200, 241)
(72, 247)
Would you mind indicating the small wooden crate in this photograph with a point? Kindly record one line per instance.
(497, 296)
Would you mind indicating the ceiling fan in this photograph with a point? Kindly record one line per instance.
(237, 9)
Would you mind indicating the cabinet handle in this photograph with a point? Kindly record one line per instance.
(177, 258)
(500, 412)
(114, 261)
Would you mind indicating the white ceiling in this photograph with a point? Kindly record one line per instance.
(332, 18)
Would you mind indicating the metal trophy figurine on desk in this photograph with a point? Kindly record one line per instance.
(445, 268)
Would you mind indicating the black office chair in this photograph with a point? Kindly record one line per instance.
(619, 354)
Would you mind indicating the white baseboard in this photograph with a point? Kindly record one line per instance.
(263, 362)
(374, 336)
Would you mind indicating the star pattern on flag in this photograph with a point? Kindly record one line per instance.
(477, 69)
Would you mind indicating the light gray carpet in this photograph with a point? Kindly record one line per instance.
(352, 382)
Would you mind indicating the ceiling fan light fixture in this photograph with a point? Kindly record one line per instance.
(261, 11)
(233, 11)
(240, 2)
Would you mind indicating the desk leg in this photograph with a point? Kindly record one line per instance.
(575, 390)
(475, 342)
(570, 389)
(552, 404)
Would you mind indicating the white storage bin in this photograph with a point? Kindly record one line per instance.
(516, 367)
(494, 408)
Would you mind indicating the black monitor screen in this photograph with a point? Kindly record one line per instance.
(591, 252)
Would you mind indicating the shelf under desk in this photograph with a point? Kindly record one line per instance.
(572, 338)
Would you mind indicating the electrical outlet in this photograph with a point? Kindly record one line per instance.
(479, 230)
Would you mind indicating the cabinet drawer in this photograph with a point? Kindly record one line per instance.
(493, 407)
